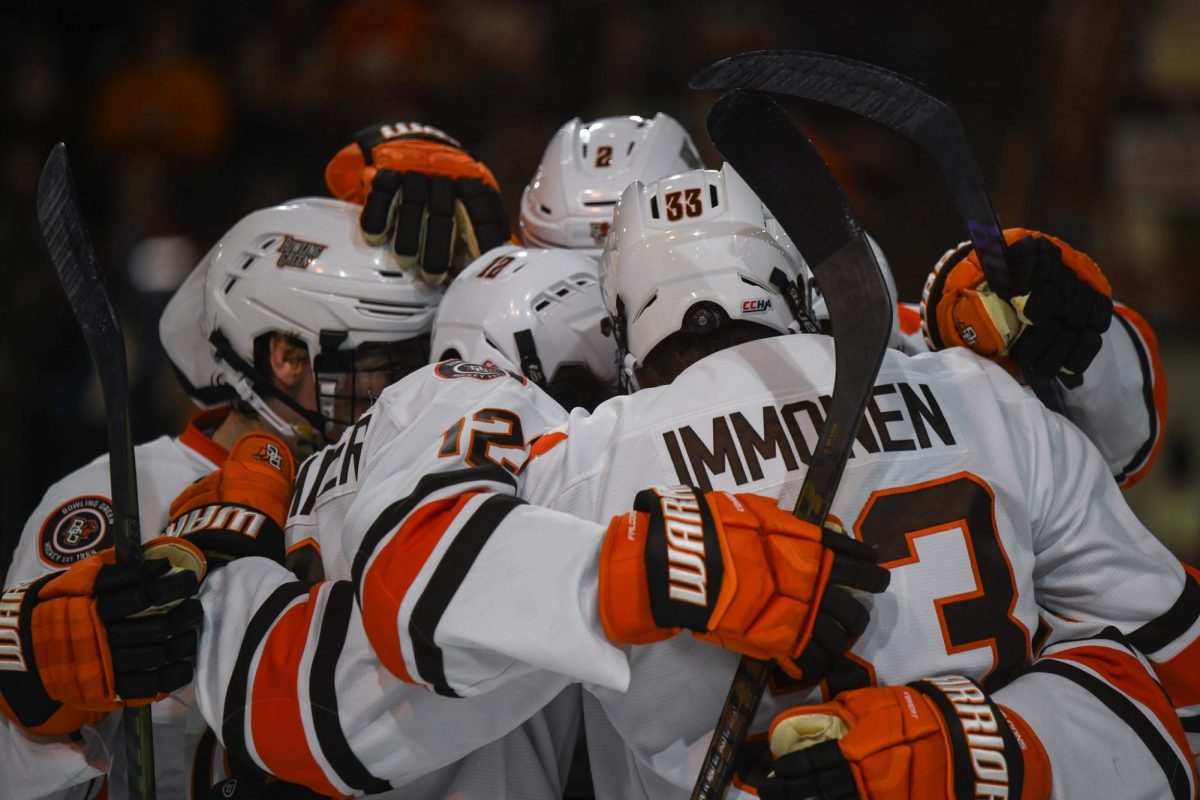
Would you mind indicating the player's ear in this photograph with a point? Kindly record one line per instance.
(289, 361)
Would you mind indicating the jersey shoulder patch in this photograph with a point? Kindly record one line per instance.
(455, 368)
(75, 530)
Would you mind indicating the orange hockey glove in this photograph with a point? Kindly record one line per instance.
(420, 190)
(1054, 330)
(738, 571)
(240, 509)
(99, 635)
(935, 738)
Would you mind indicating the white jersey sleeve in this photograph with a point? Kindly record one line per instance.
(1122, 403)
(441, 489)
(532, 760)
(1106, 725)
(288, 679)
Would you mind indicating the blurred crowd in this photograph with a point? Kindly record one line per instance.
(182, 117)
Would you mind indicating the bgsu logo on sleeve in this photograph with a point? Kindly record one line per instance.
(76, 530)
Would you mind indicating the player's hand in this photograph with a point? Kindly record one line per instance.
(240, 509)
(906, 743)
(739, 572)
(99, 635)
(421, 191)
(1054, 330)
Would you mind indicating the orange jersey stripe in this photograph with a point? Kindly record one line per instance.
(275, 721)
(393, 571)
(544, 444)
(1159, 394)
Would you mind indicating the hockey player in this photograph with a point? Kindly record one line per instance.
(465, 590)
(292, 324)
(537, 313)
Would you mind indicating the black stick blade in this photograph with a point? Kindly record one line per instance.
(886, 97)
(75, 260)
(890, 99)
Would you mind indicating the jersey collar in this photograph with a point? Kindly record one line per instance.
(193, 435)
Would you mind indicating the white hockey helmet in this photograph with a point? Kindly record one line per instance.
(302, 269)
(569, 203)
(533, 311)
(690, 252)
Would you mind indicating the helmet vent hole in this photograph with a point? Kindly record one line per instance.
(390, 273)
(545, 209)
(268, 244)
(712, 196)
(563, 292)
(654, 207)
(541, 305)
(491, 344)
(448, 354)
(585, 149)
(229, 284)
(629, 149)
(246, 264)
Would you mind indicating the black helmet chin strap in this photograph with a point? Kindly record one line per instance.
(792, 296)
(531, 365)
(262, 385)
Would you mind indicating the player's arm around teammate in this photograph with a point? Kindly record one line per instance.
(1101, 356)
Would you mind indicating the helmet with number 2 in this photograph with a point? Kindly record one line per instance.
(569, 203)
(301, 269)
(533, 311)
(690, 253)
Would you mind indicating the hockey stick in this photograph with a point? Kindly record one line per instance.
(896, 102)
(781, 166)
(79, 271)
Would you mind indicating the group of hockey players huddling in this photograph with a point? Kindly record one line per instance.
(453, 501)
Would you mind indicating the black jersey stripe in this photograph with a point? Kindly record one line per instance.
(322, 693)
(1162, 631)
(391, 516)
(1191, 724)
(1143, 452)
(233, 718)
(444, 582)
(1176, 772)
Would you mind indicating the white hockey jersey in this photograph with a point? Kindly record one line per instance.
(1008, 516)
(73, 521)
(529, 763)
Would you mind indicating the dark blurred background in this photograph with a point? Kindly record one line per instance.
(183, 117)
